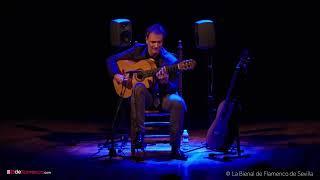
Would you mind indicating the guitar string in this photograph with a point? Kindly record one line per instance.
(170, 68)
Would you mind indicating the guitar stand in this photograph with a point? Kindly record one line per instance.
(230, 151)
(233, 98)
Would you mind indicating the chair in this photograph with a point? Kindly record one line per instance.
(157, 123)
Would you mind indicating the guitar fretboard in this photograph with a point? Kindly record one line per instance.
(170, 69)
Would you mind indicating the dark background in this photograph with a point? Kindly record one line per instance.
(53, 56)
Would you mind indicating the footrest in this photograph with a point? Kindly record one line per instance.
(156, 124)
(154, 139)
(156, 114)
(156, 136)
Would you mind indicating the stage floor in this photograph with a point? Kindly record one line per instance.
(77, 150)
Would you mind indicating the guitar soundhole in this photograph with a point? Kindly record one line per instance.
(139, 77)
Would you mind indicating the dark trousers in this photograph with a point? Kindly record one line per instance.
(141, 99)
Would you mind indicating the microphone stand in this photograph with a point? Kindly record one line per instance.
(112, 151)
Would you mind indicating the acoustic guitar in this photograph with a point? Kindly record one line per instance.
(144, 71)
(222, 131)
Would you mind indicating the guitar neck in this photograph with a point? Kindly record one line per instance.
(170, 69)
(233, 82)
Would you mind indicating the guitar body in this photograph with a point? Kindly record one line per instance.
(125, 90)
(221, 133)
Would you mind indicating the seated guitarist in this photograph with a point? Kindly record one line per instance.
(163, 92)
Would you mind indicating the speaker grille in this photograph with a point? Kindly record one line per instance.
(120, 32)
(205, 34)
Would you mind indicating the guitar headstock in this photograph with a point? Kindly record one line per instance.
(187, 65)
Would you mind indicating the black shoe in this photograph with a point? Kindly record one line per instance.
(139, 140)
(178, 154)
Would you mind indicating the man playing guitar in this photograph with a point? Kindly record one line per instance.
(161, 91)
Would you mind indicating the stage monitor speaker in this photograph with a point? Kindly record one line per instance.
(205, 34)
(120, 32)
